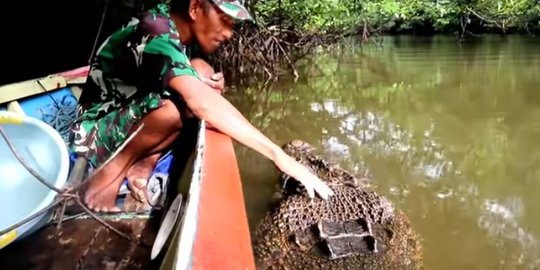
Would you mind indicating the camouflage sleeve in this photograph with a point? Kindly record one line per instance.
(168, 58)
(162, 55)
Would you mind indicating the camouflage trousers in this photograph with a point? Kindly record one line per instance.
(98, 136)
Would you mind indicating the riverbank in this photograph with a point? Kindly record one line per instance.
(300, 27)
(288, 30)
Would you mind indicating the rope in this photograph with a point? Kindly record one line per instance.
(62, 116)
(64, 196)
(21, 160)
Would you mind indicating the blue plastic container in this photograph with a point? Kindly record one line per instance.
(21, 194)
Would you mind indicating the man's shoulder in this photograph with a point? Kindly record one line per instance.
(156, 22)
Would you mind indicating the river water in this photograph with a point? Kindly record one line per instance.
(448, 131)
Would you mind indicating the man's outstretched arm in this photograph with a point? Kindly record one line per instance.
(210, 106)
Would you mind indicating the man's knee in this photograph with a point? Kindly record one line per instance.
(168, 115)
(202, 67)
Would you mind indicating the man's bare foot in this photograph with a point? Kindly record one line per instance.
(139, 174)
(160, 128)
(103, 187)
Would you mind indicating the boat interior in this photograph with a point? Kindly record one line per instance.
(74, 239)
(174, 229)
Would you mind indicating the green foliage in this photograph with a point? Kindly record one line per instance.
(508, 14)
(308, 15)
(400, 15)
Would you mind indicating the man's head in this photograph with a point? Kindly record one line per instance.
(211, 21)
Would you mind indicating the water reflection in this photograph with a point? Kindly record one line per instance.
(448, 131)
(500, 220)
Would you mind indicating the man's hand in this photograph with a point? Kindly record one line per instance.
(297, 171)
(216, 81)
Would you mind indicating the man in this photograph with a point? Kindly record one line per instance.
(142, 86)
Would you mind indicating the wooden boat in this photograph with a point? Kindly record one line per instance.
(209, 230)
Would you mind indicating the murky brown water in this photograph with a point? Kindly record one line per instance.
(449, 131)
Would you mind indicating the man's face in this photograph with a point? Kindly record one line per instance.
(211, 26)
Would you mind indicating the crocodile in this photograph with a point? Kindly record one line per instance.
(356, 228)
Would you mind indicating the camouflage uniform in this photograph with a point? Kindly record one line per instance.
(129, 78)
